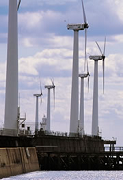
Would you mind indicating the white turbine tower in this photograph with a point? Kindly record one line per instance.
(82, 76)
(49, 87)
(95, 128)
(81, 121)
(11, 99)
(36, 114)
(74, 90)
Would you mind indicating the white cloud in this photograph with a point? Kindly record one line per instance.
(38, 22)
(30, 20)
(27, 66)
(27, 42)
(117, 6)
(58, 59)
(118, 38)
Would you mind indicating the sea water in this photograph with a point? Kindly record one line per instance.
(69, 175)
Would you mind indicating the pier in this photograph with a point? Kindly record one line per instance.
(106, 159)
(61, 152)
(78, 153)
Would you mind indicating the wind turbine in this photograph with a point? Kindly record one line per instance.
(36, 114)
(11, 99)
(49, 87)
(75, 84)
(82, 76)
(95, 129)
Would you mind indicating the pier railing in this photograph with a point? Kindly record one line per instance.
(113, 149)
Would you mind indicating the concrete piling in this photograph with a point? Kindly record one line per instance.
(15, 161)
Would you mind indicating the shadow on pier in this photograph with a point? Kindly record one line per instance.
(81, 161)
(105, 160)
(78, 153)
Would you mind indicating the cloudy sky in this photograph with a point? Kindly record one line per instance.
(45, 52)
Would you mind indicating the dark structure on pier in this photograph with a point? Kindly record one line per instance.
(76, 153)
(70, 153)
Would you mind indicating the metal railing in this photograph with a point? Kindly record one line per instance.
(113, 149)
(56, 133)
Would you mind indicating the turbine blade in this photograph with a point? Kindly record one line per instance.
(41, 101)
(18, 5)
(99, 48)
(84, 15)
(54, 96)
(103, 74)
(104, 63)
(85, 49)
(88, 83)
(41, 88)
(52, 82)
(87, 67)
(86, 60)
(84, 65)
(40, 91)
(53, 90)
(104, 46)
(88, 80)
(86, 26)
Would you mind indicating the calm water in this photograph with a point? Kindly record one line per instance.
(70, 175)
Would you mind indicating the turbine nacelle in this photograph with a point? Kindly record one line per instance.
(76, 27)
(84, 75)
(50, 86)
(86, 26)
(96, 58)
(37, 95)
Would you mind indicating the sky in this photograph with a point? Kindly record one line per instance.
(46, 52)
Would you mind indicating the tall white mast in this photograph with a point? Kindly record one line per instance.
(81, 121)
(48, 105)
(48, 111)
(95, 129)
(36, 112)
(36, 116)
(11, 99)
(95, 101)
(74, 90)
